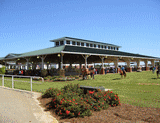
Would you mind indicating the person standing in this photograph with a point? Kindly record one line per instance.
(154, 68)
(92, 72)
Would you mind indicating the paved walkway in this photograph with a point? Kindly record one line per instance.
(18, 106)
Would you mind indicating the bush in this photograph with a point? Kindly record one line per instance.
(44, 73)
(71, 101)
(2, 70)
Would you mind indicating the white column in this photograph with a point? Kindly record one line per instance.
(85, 57)
(42, 58)
(116, 64)
(62, 61)
(128, 63)
(27, 59)
(138, 63)
(42, 62)
(102, 58)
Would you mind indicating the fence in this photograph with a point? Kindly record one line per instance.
(17, 76)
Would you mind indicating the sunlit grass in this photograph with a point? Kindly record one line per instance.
(138, 88)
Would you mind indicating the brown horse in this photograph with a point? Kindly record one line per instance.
(85, 73)
(123, 73)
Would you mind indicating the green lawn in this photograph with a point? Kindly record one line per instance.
(128, 89)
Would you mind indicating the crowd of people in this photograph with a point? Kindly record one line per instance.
(93, 71)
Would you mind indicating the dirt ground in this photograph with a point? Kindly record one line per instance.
(125, 113)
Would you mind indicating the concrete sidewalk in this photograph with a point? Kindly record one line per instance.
(19, 106)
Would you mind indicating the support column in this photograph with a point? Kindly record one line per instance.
(116, 65)
(146, 65)
(62, 61)
(27, 59)
(42, 58)
(138, 65)
(85, 57)
(61, 71)
(102, 69)
(129, 69)
(153, 64)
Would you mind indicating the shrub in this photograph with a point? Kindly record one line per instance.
(44, 73)
(2, 70)
(71, 101)
(51, 92)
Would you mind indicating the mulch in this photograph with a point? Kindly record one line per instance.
(125, 113)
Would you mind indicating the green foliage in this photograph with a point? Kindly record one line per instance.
(2, 70)
(44, 73)
(71, 101)
(51, 92)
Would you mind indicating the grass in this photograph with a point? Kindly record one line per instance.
(130, 90)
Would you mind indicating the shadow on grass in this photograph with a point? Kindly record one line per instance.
(155, 78)
(116, 79)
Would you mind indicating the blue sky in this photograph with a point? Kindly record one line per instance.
(28, 25)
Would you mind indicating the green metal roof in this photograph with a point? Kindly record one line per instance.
(103, 52)
(46, 51)
(75, 49)
(81, 40)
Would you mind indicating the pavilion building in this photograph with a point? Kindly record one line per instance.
(68, 50)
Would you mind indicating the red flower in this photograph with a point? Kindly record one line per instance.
(81, 98)
(109, 98)
(115, 99)
(61, 102)
(53, 100)
(70, 101)
(111, 92)
(103, 103)
(91, 92)
(115, 95)
(105, 99)
(67, 112)
(87, 100)
(109, 105)
(73, 99)
(60, 113)
(55, 105)
(76, 103)
(79, 113)
(91, 104)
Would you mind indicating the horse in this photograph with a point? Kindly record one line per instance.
(85, 73)
(122, 73)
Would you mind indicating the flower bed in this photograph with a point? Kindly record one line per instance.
(71, 101)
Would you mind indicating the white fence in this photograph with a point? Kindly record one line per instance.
(31, 78)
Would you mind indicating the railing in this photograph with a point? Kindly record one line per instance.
(17, 76)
